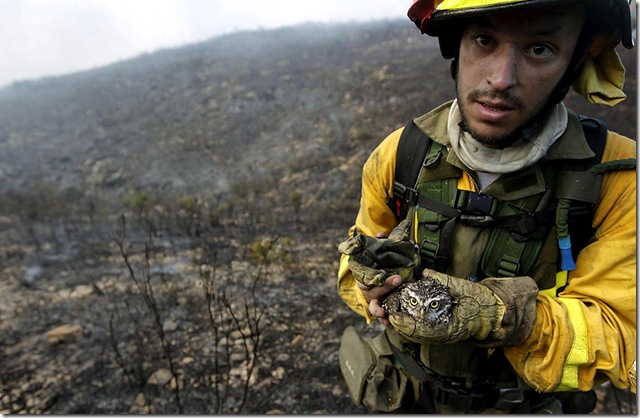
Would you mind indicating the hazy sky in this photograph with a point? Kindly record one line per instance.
(53, 37)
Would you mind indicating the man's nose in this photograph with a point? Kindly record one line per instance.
(503, 69)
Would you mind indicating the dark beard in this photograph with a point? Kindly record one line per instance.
(490, 141)
(528, 129)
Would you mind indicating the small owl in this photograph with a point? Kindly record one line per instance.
(427, 301)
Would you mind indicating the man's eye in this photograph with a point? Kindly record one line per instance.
(540, 51)
(483, 40)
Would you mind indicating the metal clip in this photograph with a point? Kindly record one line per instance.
(432, 161)
(509, 398)
(476, 220)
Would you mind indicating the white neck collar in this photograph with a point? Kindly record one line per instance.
(521, 154)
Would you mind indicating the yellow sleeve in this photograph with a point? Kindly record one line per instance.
(587, 334)
(373, 216)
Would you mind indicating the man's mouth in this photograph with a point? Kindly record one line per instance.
(491, 111)
(496, 106)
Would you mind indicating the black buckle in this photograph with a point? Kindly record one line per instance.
(526, 224)
(407, 194)
(474, 203)
(479, 204)
(451, 393)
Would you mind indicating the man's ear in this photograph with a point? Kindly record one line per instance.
(453, 68)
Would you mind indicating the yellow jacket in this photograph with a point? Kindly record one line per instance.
(587, 334)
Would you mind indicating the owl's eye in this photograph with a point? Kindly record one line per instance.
(413, 301)
(434, 304)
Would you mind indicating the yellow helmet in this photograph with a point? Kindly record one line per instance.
(601, 76)
(431, 16)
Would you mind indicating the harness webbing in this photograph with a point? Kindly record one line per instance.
(412, 150)
(411, 155)
(440, 205)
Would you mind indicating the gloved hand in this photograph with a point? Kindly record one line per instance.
(372, 260)
(476, 312)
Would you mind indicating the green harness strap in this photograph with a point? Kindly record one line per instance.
(434, 225)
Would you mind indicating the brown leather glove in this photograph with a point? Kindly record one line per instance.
(372, 260)
(477, 312)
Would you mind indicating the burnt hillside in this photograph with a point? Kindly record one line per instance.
(267, 112)
(281, 110)
(169, 224)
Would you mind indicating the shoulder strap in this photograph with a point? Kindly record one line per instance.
(412, 148)
(576, 204)
(576, 181)
(595, 132)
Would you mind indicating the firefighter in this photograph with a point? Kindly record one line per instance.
(539, 318)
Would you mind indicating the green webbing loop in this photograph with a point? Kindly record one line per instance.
(509, 265)
(562, 217)
(615, 165)
(429, 249)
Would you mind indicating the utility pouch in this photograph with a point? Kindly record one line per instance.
(371, 375)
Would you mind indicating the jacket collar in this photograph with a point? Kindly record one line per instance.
(571, 145)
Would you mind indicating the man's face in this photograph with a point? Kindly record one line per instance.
(509, 64)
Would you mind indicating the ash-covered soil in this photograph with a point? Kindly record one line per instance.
(81, 334)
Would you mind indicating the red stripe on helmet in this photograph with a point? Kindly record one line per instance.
(420, 13)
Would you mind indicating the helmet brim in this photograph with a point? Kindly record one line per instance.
(441, 20)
